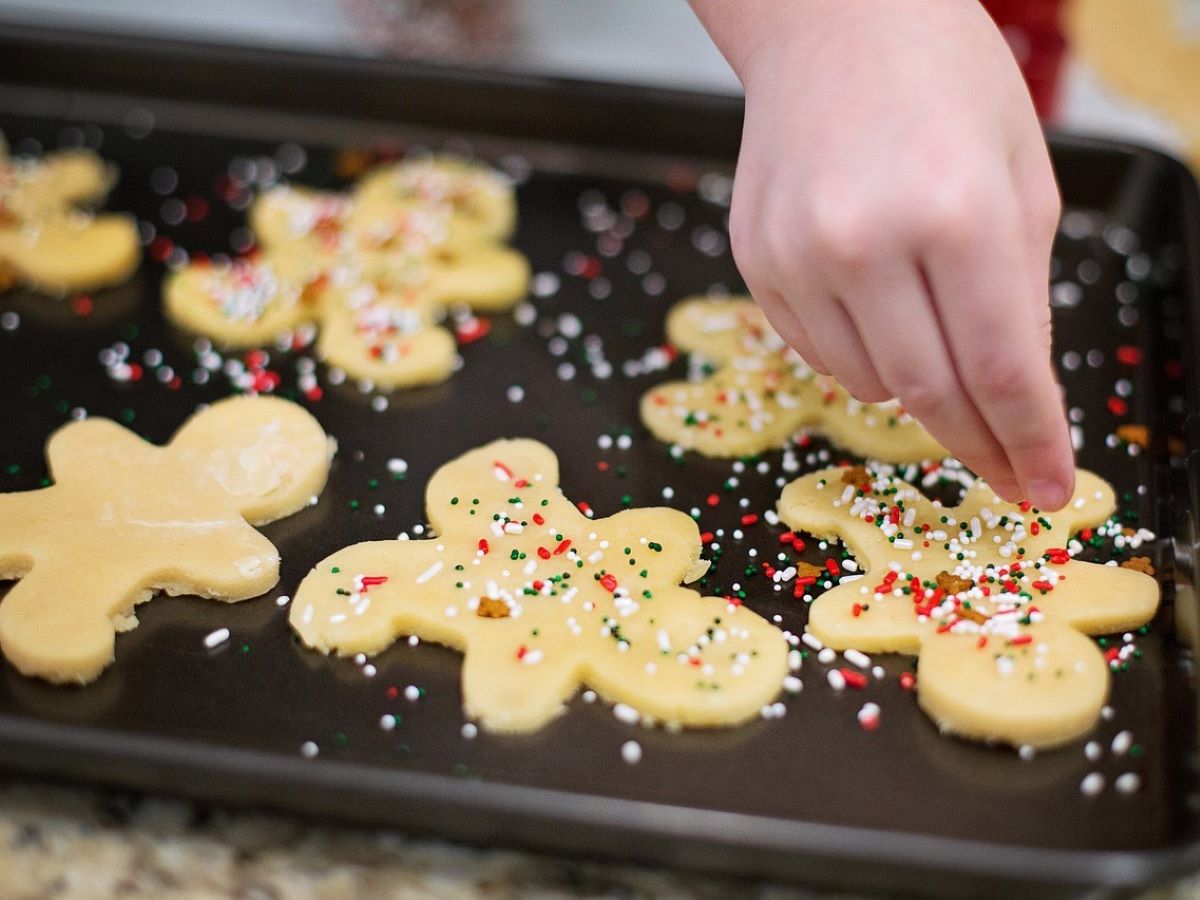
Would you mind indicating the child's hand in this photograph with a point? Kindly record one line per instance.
(893, 214)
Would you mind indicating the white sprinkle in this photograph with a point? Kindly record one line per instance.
(1122, 742)
(397, 466)
(1129, 783)
(469, 730)
(631, 752)
(857, 658)
(430, 572)
(1092, 784)
(387, 721)
(412, 692)
(1026, 752)
(515, 394)
(283, 600)
(826, 656)
(589, 696)
(216, 638)
(836, 679)
(812, 640)
(792, 684)
(1093, 751)
(626, 713)
(308, 749)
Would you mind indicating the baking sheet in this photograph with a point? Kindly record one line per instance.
(811, 794)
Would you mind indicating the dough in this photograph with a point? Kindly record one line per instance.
(481, 199)
(125, 518)
(375, 276)
(762, 393)
(1001, 656)
(46, 241)
(541, 600)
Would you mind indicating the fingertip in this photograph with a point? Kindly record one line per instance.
(1050, 494)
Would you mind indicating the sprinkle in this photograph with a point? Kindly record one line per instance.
(868, 716)
(836, 679)
(626, 713)
(469, 730)
(857, 658)
(1129, 783)
(216, 638)
(387, 722)
(1092, 784)
(1122, 742)
(631, 752)
(309, 750)
(428, 573)
(1093, 751)
(412, 693)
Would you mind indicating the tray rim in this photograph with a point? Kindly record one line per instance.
(542, 818)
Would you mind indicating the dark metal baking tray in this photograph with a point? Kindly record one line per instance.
(811, 796)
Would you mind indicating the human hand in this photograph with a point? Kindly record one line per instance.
(893, 214)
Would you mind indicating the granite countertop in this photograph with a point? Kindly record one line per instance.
(72, 843)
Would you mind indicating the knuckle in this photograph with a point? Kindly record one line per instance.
(842, 227)
(954, 208)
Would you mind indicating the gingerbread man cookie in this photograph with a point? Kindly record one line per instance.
(987, 593)
(125, 519)
(761, 393)
(376, 276)
(541, 599)
(47, 241)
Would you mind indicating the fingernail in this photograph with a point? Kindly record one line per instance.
(1048, 495)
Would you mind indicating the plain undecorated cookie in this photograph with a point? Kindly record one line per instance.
(125, 519)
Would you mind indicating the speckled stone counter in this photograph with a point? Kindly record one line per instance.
(71, 844)
(61, 843)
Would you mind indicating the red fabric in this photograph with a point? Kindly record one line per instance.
(1032, 30)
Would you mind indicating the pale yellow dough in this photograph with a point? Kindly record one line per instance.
(375, 270)
(125, 519)
(481, 199)
(49, 244)
(638, 639)
(1011, 665)
(762, 393)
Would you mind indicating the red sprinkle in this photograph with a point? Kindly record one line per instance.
(1021, 639)
(854, 679)
(1129, 356)
(907, 681)
(483, 547)
(749, 519)
(608, 581)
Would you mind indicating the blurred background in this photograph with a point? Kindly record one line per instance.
(1123, 68)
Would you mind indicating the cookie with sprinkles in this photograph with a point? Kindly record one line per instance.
(125, 519)
(376, 279)
(988, 595)
(481, 199)
(49, 240)
(541, 600)
(753, 393)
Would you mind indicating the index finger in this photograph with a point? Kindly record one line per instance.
(982, 288)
